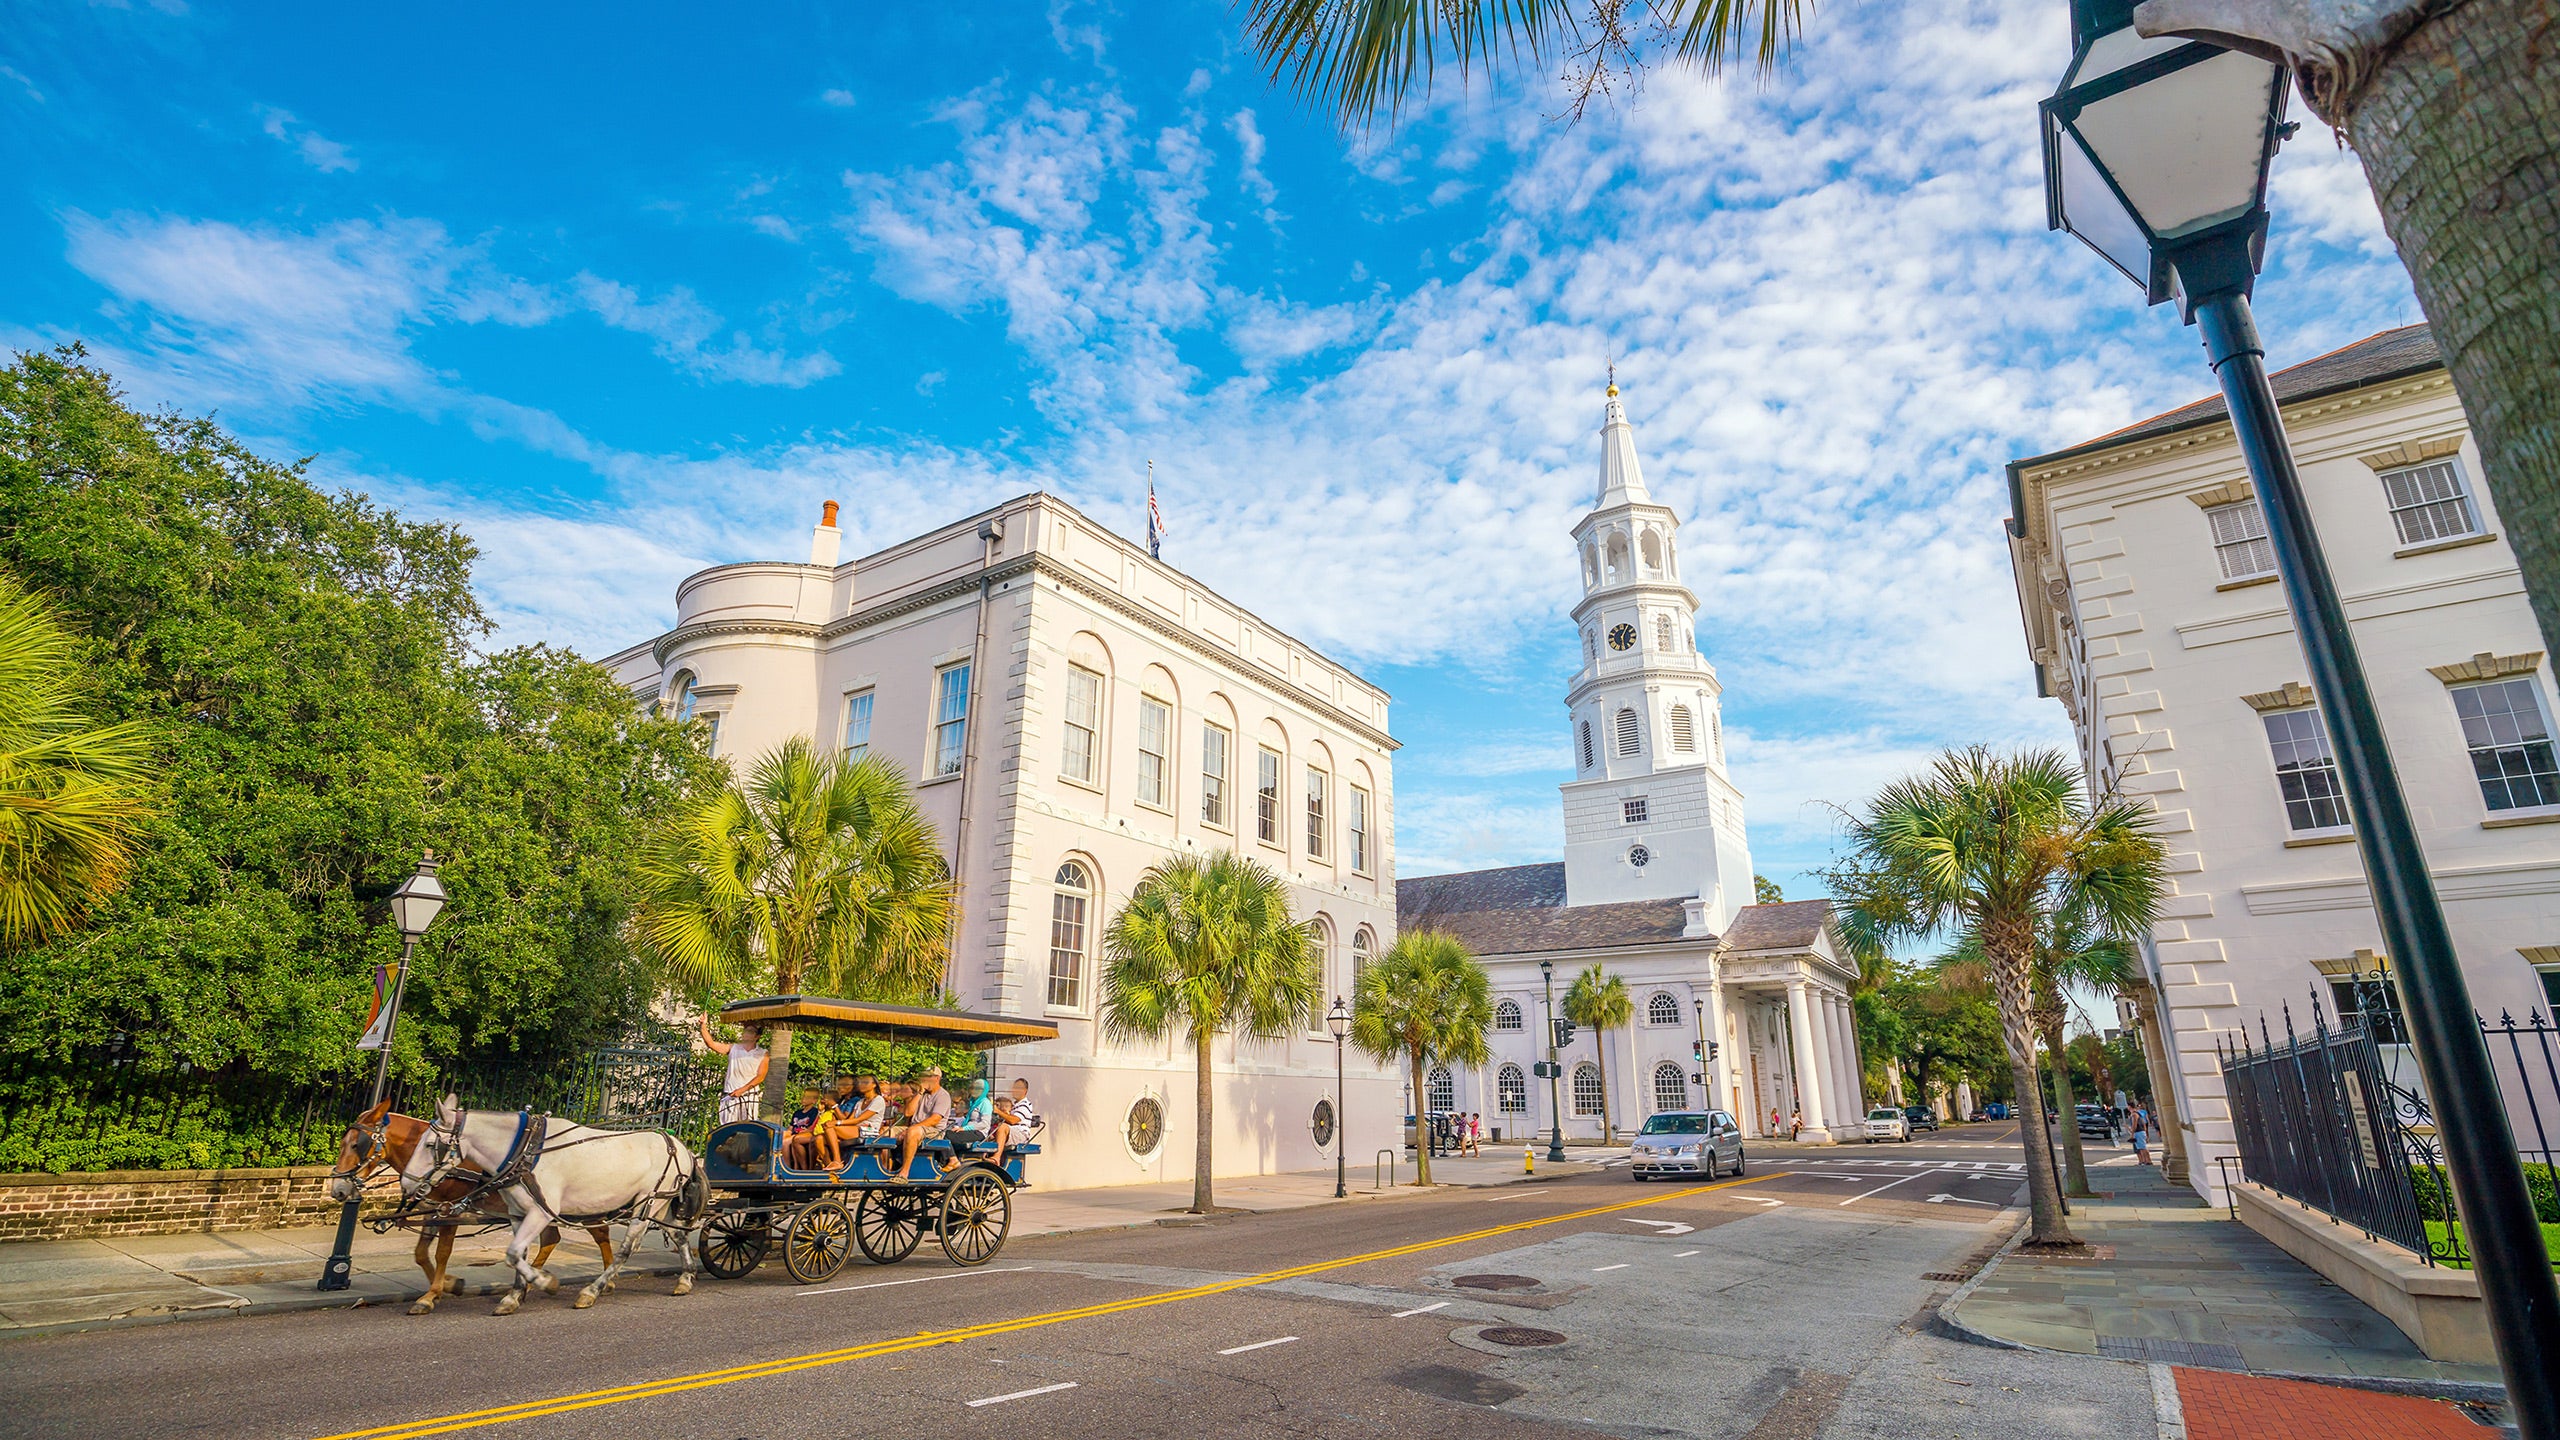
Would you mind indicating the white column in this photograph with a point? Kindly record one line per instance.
(1808, 1062)
(1835, 1095)
(1719, 1091)
(1845, 1034)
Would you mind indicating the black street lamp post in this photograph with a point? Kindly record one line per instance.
(1555, 1085)
(1338, 1020)
(2156, 154)
(414, 907)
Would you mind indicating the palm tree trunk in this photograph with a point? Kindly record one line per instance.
(2460, 139)
(2067, 1115)
(1202, 1201)
(1600, 1048)
(1421, 1125)
(2006, 944)
(777, 1070)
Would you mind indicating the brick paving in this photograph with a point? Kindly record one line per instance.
(2222, 1406)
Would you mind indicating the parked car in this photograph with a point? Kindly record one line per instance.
(1705, 1143)
(1996, 1110)
(1887, 1123)
(1921, 1117)
(2096, 1123)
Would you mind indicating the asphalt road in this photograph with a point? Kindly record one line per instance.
(1793, 1303)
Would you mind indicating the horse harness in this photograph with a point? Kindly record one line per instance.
(525, 1150)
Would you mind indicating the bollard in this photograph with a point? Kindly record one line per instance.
(1528, 1160)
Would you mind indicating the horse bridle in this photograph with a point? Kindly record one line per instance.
(372, 1146)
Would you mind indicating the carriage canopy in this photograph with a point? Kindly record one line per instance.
(889, 1022)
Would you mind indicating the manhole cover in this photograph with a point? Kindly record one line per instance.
(1495, 1282)
(1519, 1335)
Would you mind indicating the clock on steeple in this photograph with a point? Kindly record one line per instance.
(1622, 636)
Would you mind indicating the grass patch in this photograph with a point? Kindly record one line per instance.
(2437, 1231)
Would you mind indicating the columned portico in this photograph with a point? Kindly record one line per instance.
(1809, 1063)
(1844, 1044)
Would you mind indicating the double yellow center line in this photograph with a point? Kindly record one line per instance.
(649, 1389)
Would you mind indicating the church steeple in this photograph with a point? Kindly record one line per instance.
(1621, 474)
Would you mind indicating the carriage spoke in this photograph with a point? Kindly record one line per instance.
(889, 1225)
(818, 1242)
(977, 1211)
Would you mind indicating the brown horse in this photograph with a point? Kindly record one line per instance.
(383, 1140)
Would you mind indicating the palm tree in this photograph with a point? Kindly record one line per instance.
(73, 793)
(1206, 944)
(1598, 1002)
(2069, 952)
(1425, 999)
(814, 871)
(2454, 109)
(1994, 845)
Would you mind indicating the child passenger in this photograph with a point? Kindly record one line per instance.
(812, 1145)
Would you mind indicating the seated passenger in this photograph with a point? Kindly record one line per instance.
(812, 1145)
(1014, 1113)
(926, 1117)
(858, 1109)
(974, 1119)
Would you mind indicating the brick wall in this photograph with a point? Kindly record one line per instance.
(162, 1202)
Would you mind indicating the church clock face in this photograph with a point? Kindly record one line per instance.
(1622, 636)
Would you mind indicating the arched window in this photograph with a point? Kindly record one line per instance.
(1630, 738)
(1511, 1090)
(1360, 943)
(1586, 745)
(1441, 1090)
(1652, 551)
(1586, 1089)
(1590, 565)
(1670, 1087)
(684, 688)
(1662, 1009)
(1067, 930)
(1590, 645)
(1684, 731)
(1715, 731)
(1616, 551)
(1661, 632)
(1506, 1015)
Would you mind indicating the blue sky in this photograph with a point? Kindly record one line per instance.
(626, 291)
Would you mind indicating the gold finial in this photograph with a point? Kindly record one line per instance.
(1613, 379)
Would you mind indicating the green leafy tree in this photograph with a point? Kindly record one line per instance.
(2449, 103)
(1598, 1002)
(1206, 945)
(812, 870)
(1426, 999)
(1765, 891)
(1952, 1030)
(73, 792)
(305, 665)
(1994, 845)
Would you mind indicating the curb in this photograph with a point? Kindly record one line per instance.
(2475, 1392)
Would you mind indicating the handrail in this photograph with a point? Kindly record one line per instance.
(1391, 1159)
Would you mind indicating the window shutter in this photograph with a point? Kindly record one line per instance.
(1629, 739)
(1684, 731)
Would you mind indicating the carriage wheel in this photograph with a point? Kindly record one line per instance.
(735, 1241)
(816, 1245)
(888, 1225)
(976, 1212)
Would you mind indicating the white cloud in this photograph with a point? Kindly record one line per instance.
(841, 99)
(686, 330)
(11, 72)
(1250, 147)
(317, 151)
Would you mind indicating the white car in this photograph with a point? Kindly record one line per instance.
(1887, 1123)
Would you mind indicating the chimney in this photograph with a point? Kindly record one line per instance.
(824, 540)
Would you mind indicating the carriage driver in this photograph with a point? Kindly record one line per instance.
(747, 1061)
(926, 1117)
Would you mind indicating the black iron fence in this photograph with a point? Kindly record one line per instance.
(2337, 1119)
(108, 1111)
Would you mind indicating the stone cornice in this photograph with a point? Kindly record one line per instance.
(2229, 492)
(2293, 696)
(2415, 452)
(2485, 666)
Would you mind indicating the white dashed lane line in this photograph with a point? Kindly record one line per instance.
(1421, 1310)
(1685, 1254)
(1024, 1394)
(918, 1280)
(1598, 1269)
(1260, 1345)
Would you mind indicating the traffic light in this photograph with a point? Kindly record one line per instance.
(1545, 1069)
(1712, 1047)
(1564, 1033)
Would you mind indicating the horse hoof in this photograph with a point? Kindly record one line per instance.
(423, 1307)
(508, 1305)
(586, 1298)
(550, 1284)
(684, 1285)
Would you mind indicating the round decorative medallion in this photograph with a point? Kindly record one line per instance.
(1146, 1127)
(1639, 857)
(1323, 1123)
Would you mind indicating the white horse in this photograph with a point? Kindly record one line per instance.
(550, 1172)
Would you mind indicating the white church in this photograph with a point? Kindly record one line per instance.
(1654, 886)
(1073, 710)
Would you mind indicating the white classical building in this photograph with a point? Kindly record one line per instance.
(1655, 884)
(2153, 614)
(1074, 711)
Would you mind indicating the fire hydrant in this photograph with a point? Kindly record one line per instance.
(1528, 1160)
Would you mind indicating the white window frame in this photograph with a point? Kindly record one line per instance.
(858, 705)
(2312, 804)
(2528, 685)
(1510, 1090)
(1217, 757)
(950, 720)
(1356, 830)
(1363, 950)
(2240, 543)
(1632, 810)
(1588, 759)
(2412, 505)
(711, 733)
(1319, 822)
(1070, 936)
(1628, 733)
(1268, 766)
(1155, 767)
(1080, 741)
(1599, 1089)
(1684, 730)
(1670, 1070)
(1519, 1017)
(1650, 1018)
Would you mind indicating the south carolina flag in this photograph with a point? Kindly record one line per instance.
(384, 976)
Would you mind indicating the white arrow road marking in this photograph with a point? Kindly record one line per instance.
(1023, 1394)
(1762, 1200)
(1419, 1310)
(1905, 1180)
(1260, 1345)
(1953, 1199)
(1667, 1227)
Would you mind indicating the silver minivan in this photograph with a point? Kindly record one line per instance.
(1704, 1143)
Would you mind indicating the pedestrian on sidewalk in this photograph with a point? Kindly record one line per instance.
(1795, 1124)
(1475, 1134)
(2141, 1142)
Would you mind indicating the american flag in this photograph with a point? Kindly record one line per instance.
(1155, 518)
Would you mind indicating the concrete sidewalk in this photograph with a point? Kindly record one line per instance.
(50, 1285)
(2169, 1280)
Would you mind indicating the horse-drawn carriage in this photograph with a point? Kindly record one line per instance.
(963, 1191)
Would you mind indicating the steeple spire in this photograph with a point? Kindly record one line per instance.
(1621, 475)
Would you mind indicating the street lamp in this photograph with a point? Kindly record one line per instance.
(2156, 154)
(1338, 1020)
(414, 907)
(1555, 1086)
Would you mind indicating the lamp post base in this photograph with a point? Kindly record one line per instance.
(339, 1272)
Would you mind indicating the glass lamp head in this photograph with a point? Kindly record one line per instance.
(2153, 148)
(420, 898)
(1338, 1019)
